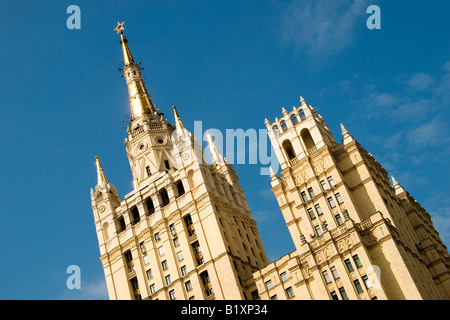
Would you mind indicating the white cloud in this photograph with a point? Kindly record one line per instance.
(321, 28)
(430, 133)
(420, 81)
(93, 290)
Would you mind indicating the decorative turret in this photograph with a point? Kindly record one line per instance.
(216, 156)
(102, 183)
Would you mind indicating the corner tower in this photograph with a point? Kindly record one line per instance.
(185, 230)
(356, 236)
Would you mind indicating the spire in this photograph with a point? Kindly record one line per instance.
(127, 57)
(303, 102)
(216, 157)
(140, 100)
(397, 187)
(347, 137)
(344, 131)
(101, 178)
(180, 129)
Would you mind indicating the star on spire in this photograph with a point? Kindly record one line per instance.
(119, 27)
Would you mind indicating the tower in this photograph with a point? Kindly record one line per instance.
(356, 236)
(185, 231)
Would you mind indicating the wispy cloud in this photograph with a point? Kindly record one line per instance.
(420, 81)
(90, 290)
(321, 28)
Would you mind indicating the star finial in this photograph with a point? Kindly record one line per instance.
(119, 27)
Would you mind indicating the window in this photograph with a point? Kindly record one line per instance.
(192, 298)
(283, 125)
(274, 297)
(318, 231)
(164, 197)
(269, 285)
(135, 214)
(331, 202)
(166, 164)
(188, 285)
(283, 276)
(172, 229)
(180, 188)
(339, 219)
(311, 192)
(358, 286)
(142, 246)
(164, 265)
(366, 281)
(326, 276)
(180, 255)
(304, 197)
(275, 128)
(183, 271)
(357, 261)
(349, 265)
(339, 198)
(146, 259)
(343, 293)
(161, 250)
(294, 119)
(334, 296)
(121, 224)
(152, 288)
(307, 139)
(189, 225)
(301, 113)
(311, 213)
(150, 206)
(172, 295)
(335, 273)
(289, 149)
(168, 279)
(149, 173)
(176, 242)
(331, 181)
(290, 292)
(157, 237)
(318, 209)
(255, 295)
(149, 273)
(324, 185)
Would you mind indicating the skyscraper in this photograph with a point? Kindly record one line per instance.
(185, 231)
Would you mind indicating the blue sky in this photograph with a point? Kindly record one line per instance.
(228, 63)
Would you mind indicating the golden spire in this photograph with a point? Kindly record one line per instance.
(127, 57)
(140, 100)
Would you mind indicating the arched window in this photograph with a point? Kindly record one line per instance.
(301, 113)
(106, 231)
(283, 125)
(180, 188)
(307, 139)
(122, 225)
(135, 215)
(150, 206)
(289, 149)
(275, 128)
(164, 197)
(294, 119)
(191, 180)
